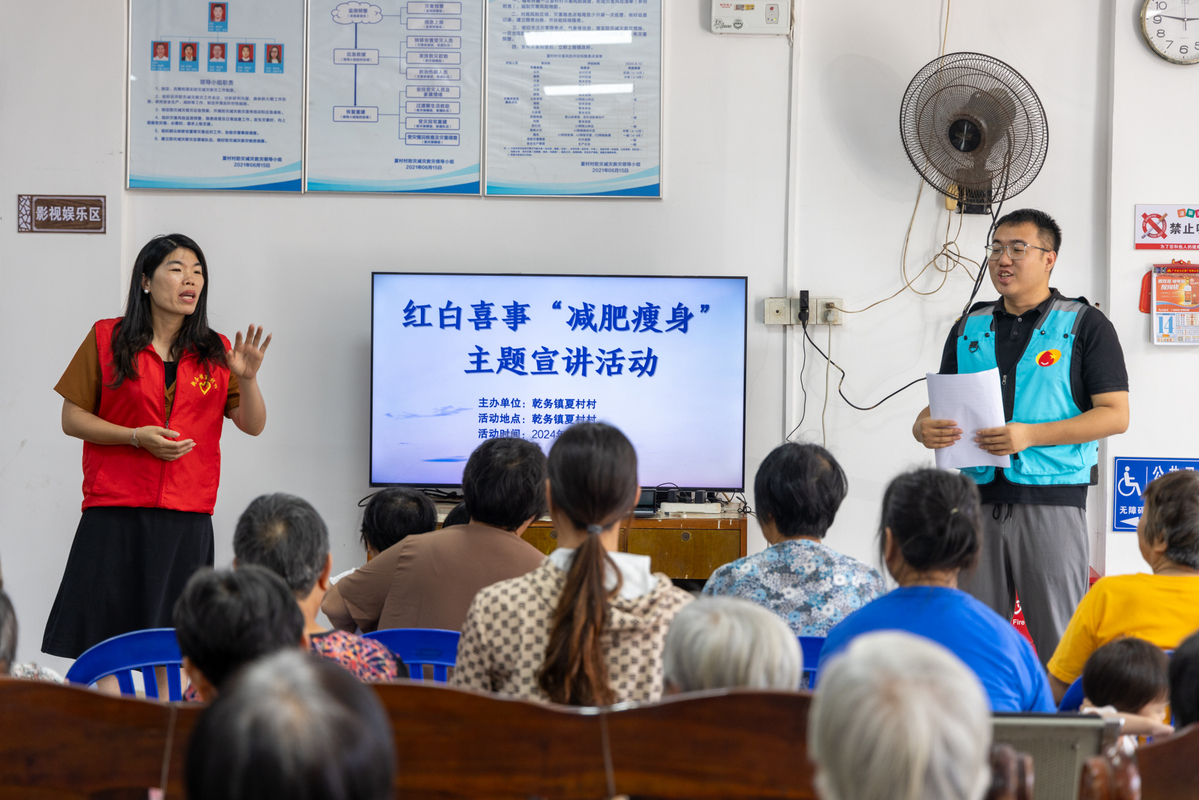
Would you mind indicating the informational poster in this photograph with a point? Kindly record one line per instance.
(574, 98)
(395, 96)
(1132, 477)
(1175, 304)
(216, 94)
(1167, 227)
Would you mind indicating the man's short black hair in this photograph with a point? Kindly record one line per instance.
(504, 483)
(1184, 682)
(8, 633)
(1051, 232)
(799, 488)
(283, 533)
(392, 514)
(1127, 674)
(227, 618)
(458, 516)
(292, 725)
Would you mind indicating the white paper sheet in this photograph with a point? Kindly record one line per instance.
(974, 401)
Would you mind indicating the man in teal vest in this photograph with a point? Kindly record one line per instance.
(1064, 387)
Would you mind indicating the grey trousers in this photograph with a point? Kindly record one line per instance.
(1040, 552)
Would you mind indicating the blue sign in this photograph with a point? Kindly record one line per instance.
(1131, 477)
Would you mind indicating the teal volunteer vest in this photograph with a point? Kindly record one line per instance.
(1041, 382)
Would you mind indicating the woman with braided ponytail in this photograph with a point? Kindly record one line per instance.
(588, 626)
(929, 534)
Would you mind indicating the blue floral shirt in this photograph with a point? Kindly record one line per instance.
(809, 584)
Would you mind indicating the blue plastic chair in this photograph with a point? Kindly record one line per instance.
(418, 647)
(121, 655)
(1072, 699)
(811, 647)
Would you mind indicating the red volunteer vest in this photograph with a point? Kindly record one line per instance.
(124, 475)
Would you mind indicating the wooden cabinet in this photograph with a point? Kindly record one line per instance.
(678, 545)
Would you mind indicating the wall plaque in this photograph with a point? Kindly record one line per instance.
(59, 213)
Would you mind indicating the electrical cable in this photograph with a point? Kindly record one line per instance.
(827, 369)
(803, 364)
(842, 381)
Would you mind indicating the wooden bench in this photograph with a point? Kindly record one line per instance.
(65, 742)
(1170, 767)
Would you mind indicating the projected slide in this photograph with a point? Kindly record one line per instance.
(457, 359)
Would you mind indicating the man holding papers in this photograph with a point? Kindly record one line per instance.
(1064, 387)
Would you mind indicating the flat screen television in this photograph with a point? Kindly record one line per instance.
(460, 358)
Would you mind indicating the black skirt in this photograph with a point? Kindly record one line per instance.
(126, 569)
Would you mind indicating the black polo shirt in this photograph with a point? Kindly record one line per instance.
(1096, 367)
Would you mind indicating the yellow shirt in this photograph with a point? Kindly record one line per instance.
(1162, 609)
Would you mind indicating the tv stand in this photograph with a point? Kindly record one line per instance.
(684, 546)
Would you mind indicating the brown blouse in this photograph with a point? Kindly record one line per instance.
(83, 379)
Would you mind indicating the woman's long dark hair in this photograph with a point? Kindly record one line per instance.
(135, 330)
(593, 481)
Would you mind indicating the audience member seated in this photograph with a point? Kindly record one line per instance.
(429, 581)
(929, 533)
(587, 627)
(798, 489)
(1184, 682)
(8, 648)
(284, 534)
(458, 516)
(722, 642)
(292, 726)
(1162, 608)
(1129, 680)
(896, 717)
(227, 618)
(393, 514)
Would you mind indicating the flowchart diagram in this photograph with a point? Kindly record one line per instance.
(417, 65)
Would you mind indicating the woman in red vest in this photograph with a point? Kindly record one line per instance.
(147, 393)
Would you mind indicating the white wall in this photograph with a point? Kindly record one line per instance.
(1152, 99)
(299, 265)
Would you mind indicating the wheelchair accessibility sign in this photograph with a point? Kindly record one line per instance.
(1131, 477)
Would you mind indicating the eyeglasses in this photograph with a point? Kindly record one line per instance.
(1016, 251)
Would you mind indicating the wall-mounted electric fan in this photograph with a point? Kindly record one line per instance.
(974, 129)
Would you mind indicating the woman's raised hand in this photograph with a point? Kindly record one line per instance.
(246, 356)
(161, 443)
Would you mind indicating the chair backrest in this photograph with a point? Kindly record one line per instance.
(1111, 776)
(1059, 745)
(1011, 774)
(418, 647)
(452, 743)
(711, 745)
(62, 741)
(1170, 767)
(810, 646)
(1072, 699)
(139, 650)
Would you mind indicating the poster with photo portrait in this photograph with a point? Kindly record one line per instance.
(160, 56)
(189, 60)
(218, 17)
(273, 58)
(218, 56)
(245, 57)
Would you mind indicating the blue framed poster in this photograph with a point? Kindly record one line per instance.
(574, 98)
(395, 96)
(216, 127)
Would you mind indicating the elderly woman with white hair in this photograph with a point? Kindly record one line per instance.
(899, 717)
(721, 642)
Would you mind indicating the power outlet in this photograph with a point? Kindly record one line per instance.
(777, 311)
(827, 311)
